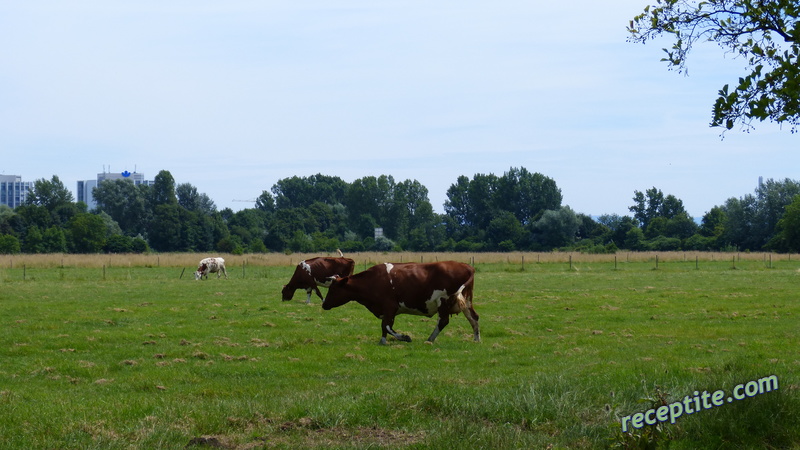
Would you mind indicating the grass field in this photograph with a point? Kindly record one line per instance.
(133, 353)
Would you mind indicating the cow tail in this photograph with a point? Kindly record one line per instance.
(461, 299)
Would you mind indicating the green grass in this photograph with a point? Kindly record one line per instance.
(136, 357)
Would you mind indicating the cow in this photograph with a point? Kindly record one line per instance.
(210, 265)
(314, 272)
(389, 289)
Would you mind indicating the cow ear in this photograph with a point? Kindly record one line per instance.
(334, 279)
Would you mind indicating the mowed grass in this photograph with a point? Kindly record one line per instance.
(138, 357)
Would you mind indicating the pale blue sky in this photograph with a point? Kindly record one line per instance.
(233, 96)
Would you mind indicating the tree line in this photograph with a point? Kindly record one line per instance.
(518, 210)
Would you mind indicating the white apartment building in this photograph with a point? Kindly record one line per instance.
(13, 190)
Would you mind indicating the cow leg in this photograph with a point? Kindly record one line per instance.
(308, 295)
(444, 319)
(386, 327)
(319, 294)
(472, 317)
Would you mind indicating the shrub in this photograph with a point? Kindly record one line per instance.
(9, 244)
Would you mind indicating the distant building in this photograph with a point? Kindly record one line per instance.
(13, 190)
(85, 187)
(84, 192)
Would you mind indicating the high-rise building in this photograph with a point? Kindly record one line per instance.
(13, 190)
(85, 186)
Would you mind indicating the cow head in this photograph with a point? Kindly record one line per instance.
(338, 293)
(287, 293)
(200, 272)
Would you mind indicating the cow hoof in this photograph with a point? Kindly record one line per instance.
(382, 341)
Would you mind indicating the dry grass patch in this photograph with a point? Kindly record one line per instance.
(189, 260)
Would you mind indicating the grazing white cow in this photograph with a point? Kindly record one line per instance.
(210, 265)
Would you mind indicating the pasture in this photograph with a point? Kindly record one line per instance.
(127, 353)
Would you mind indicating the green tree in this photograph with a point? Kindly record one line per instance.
(751, 221)
(764, 33)
(527, 195)
(590, 229)
(680, 226)
(651, 204)
(619, 227)
(126, 203)
(87, 233)
(249, 224)
(788, 235)
(9, 244)
(165, 232)
(634, 239)
(34, 241)
(297, 192)
(742, 228)
(265, 202)
(713, 222)
(473, 204)
(410, 210)
(49, 194)
(54, 240)
(457, 205)
(162, 192)
(369, 200)
(6, 214)
(118, 244)
(505, 232)
(556, 228)
(192, 200)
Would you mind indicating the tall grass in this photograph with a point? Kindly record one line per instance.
(370, 258)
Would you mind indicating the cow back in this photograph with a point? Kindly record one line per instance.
(415, 282)
(409, 283)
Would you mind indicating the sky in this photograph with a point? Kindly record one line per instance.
(233, 96)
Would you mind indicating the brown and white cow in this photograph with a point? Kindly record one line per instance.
(387, 290)
(210, 265)
(314, 272)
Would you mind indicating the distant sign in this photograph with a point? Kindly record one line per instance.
(126, 174)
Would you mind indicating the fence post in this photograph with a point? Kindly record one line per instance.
(656, 261)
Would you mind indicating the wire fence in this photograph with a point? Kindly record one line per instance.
(182, 265)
